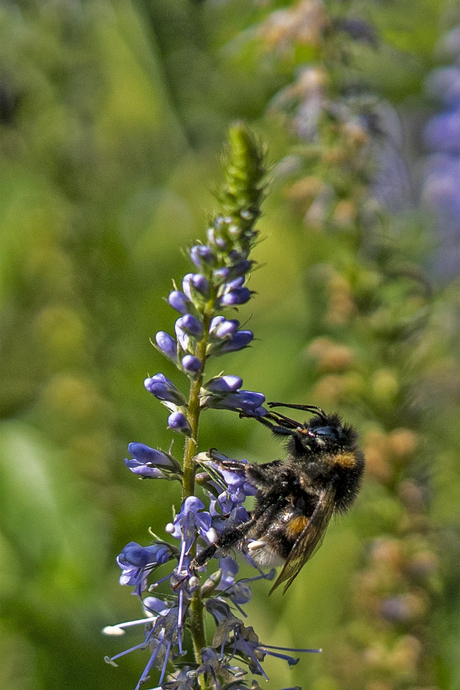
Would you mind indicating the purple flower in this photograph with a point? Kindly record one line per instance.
(187, 327)
(223, 384)
(154, 606)
(215, 322)
(235, 297)
(179, 301)
(226, 329)
(228, 513)
(185, 679)
(179, 422)
(444, 84)
(227, 274)
(238, 341)
(247, 402)
(240, 268)
(190, 325)
(144, 471)
(216, 239)
(235, 638)
(201, 255)
(238, 592)
(217, 666)
(229, 569)
(191, 365)
(195, 286)
(236, 489)
(235, 284)
(146, 462)
(442, 132)
(191, 521)
(451, 42)
(167, 345)
(221, 275)
(164, 389)
(163, 636)
(137, 562)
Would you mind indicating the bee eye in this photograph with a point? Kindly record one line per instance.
(326, 432)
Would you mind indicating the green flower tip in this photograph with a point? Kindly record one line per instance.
(244, 165)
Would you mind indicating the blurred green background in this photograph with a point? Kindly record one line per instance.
(112, 118)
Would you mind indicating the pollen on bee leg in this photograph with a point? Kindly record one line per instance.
(255, 545)
(212, 535)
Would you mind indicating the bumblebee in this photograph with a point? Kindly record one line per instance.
(296, 497)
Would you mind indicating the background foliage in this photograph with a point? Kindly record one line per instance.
(112, 116)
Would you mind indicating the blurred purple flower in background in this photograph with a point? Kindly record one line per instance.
(441, 181)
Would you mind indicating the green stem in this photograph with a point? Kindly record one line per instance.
(197, 630)
(191, 444)
(188, 489)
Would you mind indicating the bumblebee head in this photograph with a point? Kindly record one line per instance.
(324, 433)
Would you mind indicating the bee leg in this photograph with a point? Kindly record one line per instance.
(260, 474)
(203, 557)
(275, 428)
(229, 537)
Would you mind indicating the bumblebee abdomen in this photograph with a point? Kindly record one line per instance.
(295, 525)
(272, 544)
(350, 468)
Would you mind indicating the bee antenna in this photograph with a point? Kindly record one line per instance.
(308, 408)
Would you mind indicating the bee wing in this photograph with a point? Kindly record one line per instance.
(308, 540)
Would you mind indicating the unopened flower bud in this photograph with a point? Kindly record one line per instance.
(179, 301)
(178, 422)
(167, 345)
(164, 389)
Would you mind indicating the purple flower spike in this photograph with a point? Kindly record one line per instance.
(224, 384)
(167, 345)
(179, 301)
(235, 297)
(164, 389)
(178, 422)
(191, 365)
